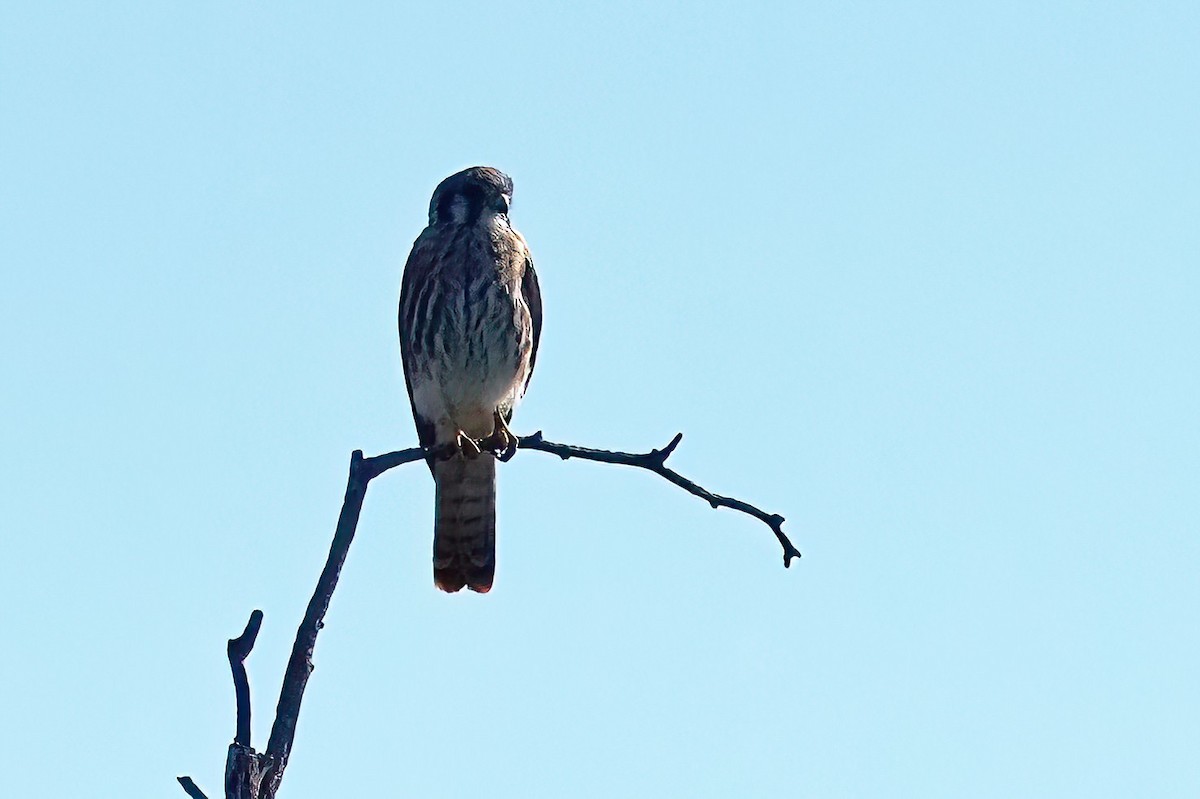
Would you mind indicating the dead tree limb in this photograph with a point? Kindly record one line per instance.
(191, 788)
(238, 650)
(655, 460)
(251, 775)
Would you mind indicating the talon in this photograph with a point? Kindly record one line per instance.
(467, 445)
(501, 443)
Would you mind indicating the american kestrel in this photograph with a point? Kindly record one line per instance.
(470, 320)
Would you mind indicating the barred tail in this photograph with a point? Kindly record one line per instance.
(464, 524)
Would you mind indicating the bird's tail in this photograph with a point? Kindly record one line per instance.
(464, 523)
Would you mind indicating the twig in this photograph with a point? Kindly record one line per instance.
(655, 460)
(238, 649)
(242, 767)
(192, 789)
(373, 467)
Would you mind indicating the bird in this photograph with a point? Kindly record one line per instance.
(470, 321)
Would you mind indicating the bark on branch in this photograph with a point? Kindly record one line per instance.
(251, 775)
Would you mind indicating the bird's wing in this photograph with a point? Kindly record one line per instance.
(417, 272)
(533, 298)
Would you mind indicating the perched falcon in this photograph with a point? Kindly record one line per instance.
(470, 319)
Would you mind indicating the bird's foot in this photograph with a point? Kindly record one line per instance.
(469, 447)
(502, 442)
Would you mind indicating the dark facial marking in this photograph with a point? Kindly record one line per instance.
(477, 188)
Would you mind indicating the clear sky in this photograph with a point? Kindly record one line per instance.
(921, 277)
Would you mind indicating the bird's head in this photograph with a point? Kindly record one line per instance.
(465, 197)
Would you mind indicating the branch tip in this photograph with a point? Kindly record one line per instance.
(660, 456)
(244, 643)
(191, 788)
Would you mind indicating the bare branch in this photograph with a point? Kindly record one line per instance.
(238, 649)
(300, 665)
(192, 789)
(257, 776)
(655, 460)
(373, 467)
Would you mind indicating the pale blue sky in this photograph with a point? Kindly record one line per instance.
(921, 278)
